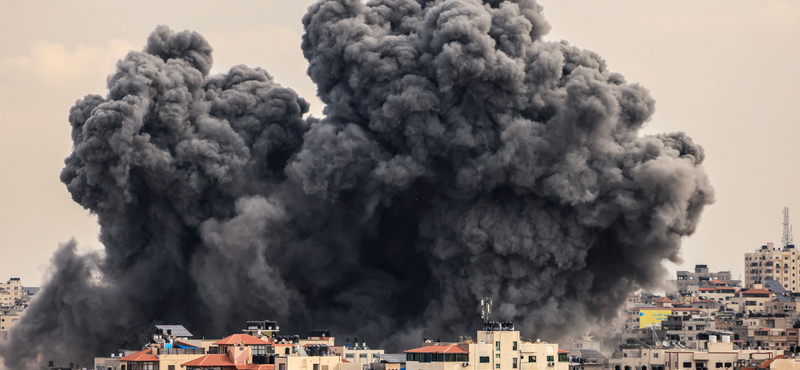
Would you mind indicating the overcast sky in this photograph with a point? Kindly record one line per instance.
(722, 71)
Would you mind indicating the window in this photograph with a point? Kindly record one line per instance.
(484, 359)
(350, 355)
(655, 355)
(496, 366)
(362, 355)
(147, 365)
(685, 364)
(497, 346)
(281, 366)
(259, 349)
(562, 357)
(727, 364)
(497, 355)
(718, 365)
(549, 358)
(514, 345)
(170, 367)
(514, 363)
(531, 358)
(315, 367)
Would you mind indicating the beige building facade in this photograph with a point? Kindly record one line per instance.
(492, 350)
(718, 356)
(770, 262)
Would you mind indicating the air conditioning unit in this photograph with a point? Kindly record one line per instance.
(551, 364)
(465, 364)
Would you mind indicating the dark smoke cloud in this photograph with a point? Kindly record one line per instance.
(460, 156)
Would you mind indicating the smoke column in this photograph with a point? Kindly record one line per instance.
(460, 156)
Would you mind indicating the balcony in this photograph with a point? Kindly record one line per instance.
(181, 351)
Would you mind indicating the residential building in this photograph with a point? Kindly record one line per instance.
(358, 353)
(636, 357)
(770, 262)
(8, 317)
(498, 347)
(701, 277)
(719, 355)
(754, 300)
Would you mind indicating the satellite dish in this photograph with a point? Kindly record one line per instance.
(665, 344)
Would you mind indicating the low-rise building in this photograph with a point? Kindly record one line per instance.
(498, 347)
(719, 355)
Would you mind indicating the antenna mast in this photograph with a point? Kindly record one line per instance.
(787, 229)
(486, 309)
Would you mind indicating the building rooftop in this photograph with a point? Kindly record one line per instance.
(146, 355)
(437, 348)
(175, 330)
(210, 361)
(255, 367)
(236, 339)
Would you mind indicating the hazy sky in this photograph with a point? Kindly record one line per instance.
(719, 70)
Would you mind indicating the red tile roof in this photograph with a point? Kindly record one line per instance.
(715, 281)
(146, 355)
(562, 351)
(436, 348)
(663, 299)
(757, 291)
(240, 338)
(255, 367)
(210, 361)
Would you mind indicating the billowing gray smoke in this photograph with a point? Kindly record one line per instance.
(460, 156)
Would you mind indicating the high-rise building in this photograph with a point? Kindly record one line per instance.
(771, 262)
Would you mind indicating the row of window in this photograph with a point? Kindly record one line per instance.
(438, 357)
(718, 365)
(513, 346)
(561, 358)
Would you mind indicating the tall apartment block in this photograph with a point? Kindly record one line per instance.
(774, 263)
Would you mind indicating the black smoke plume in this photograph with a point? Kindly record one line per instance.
(460, 156)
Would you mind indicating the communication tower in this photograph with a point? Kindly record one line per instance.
(486, 309)
(787, 229)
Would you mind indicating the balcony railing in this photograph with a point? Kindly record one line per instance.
(181, 351)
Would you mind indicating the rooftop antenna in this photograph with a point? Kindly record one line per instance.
(787, 229)
(486, 309)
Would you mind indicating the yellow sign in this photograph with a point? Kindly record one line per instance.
(653, 317)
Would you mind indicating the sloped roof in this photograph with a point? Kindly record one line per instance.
(715, 281)
(146, 355)
(209, 361)
(436, 348)
(562, 351)
(757, 291)
(184, 344)
(663, 299)
(240, 338)
(255, 367)
(176, 330)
